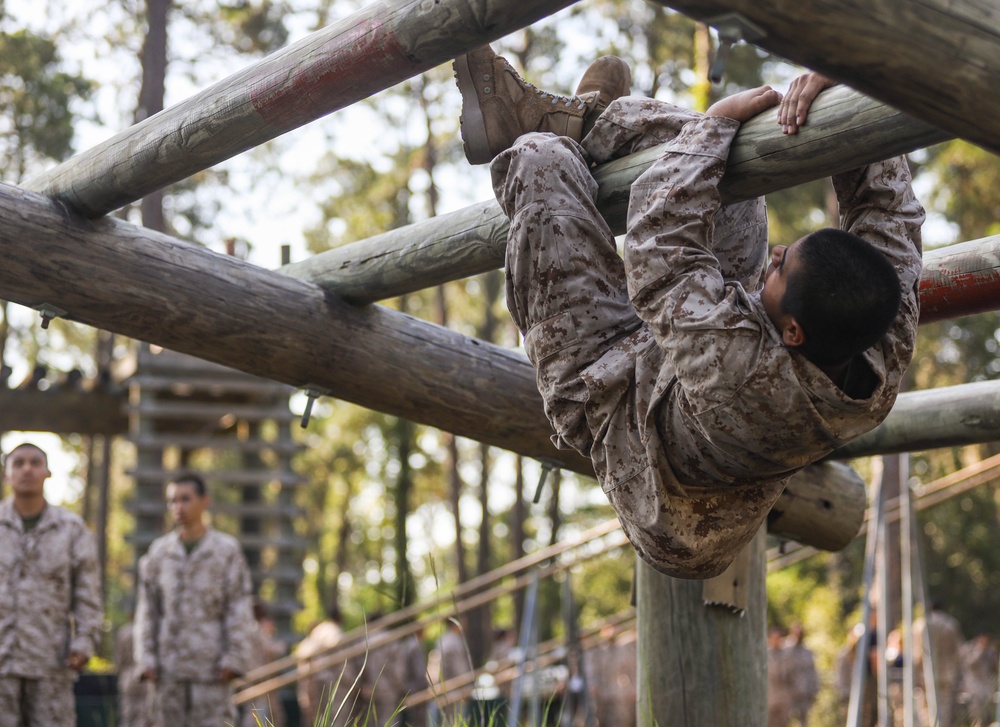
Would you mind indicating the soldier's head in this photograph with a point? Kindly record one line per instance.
(187, 500)
(831, 295)
(25, 468)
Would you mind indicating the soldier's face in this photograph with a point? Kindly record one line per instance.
(783, 260)
(26, 470)
(185, 504)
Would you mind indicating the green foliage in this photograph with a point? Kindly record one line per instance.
(967, 193)
(36, 97)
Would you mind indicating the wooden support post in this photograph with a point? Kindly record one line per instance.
(934, 59)
(372, 50)
(699, 664)
(846, 130)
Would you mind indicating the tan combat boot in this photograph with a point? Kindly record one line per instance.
(498, 106)
(608, 76)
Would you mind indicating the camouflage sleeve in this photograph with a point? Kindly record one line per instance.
(877, 204)
(675, 280)
(238, 621)
(668, 247)
(147, 618)
(87, 611)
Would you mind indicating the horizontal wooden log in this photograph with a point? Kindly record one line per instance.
(372, 50)
(846, 130)
(960, 280)
(828, 500)
(63, 411)
(149, 286)
(935, 59)
(950, 416)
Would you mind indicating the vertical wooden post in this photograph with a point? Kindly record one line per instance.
(701, 665)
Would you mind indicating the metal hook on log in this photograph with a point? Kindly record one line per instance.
(312, 393)
(49, 312)
(548, 465)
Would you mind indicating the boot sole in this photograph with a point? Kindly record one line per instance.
(471, 122)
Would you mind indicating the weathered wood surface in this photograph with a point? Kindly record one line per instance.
(846, 130)
(64, 411)
(960, 280)
(950, 416)
(372, 50)
(701, 665)
(935, 59)
(149, 286)
(828, 500)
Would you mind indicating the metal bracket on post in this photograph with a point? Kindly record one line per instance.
(732, 28)
(312, 393)
(49, 312)
(547, 466)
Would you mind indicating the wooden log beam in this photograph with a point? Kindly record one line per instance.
(64, 411)
(935, 59)
(950, 416)
(373, 49)
(846, 130)
(146, 285)
(960, 280)
(149, 286)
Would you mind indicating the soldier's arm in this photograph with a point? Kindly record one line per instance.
(876, 202)
(238, 620)
(86, 599)
(147, 620)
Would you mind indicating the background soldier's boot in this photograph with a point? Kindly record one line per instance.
(498, 106)
(610, 78)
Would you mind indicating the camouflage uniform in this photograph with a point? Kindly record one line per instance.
(267, 709)
(804, 680)
(194, 617)
(946, 644)
(454, 662)
(665, 369)
(395, 670)
(46, 576)
(979, 679)
(133, 707)
(779, 686)
(335, 690)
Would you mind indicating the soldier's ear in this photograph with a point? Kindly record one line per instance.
(792, 334)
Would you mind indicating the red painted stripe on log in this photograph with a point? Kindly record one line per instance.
(951, 293)
(333, 76)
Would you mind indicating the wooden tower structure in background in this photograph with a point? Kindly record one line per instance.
(235, 430)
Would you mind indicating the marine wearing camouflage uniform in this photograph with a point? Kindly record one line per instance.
(666, 370)
(194, 617)
(47, 575)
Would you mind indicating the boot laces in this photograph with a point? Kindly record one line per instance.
(555, 98)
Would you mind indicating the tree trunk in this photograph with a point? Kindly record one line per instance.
(151, 94)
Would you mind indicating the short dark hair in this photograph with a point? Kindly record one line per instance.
(191, 478)
(25, 445)
(844, 293)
